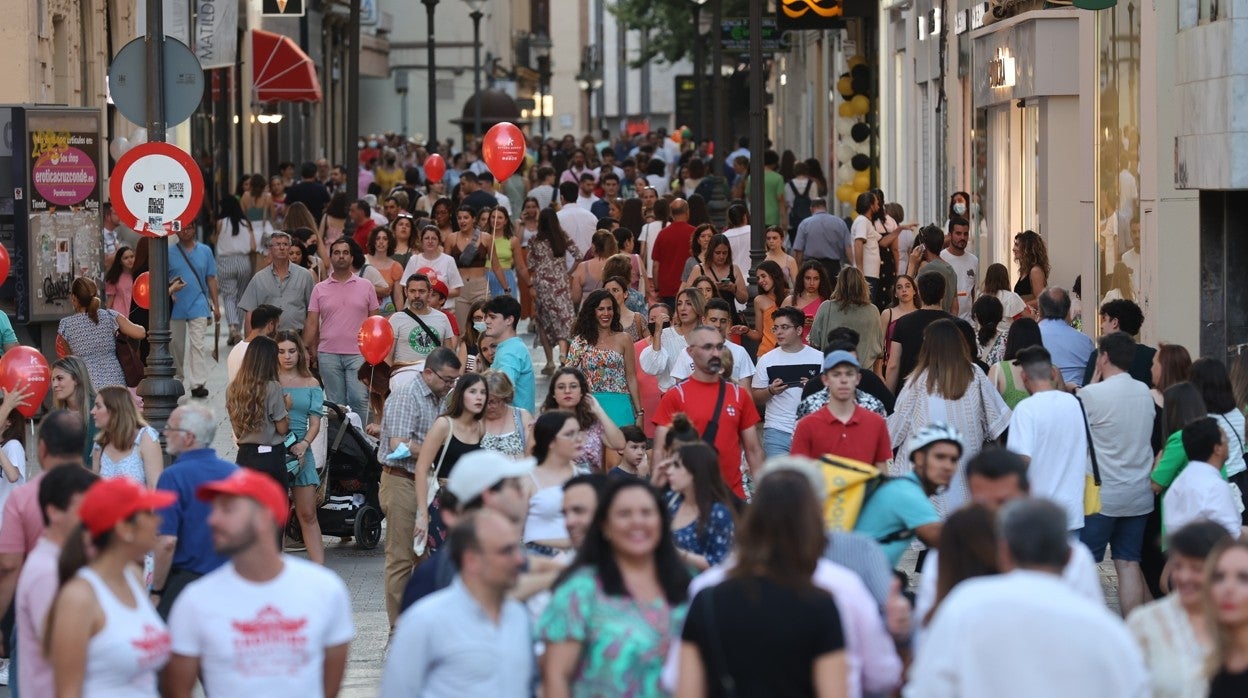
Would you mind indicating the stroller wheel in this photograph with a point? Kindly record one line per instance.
(293, 530)
(367, 527)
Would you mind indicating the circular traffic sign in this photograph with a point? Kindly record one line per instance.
(156, 189)
(183, 81)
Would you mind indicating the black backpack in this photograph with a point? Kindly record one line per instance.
(800, 210)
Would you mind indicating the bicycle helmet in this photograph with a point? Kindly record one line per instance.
(935, 433)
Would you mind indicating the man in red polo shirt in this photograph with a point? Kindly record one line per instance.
(843, 428)
(696, 397)
(670, 251)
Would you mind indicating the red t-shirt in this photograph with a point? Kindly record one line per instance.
(864, 438)
(697, 399)
(454, 323)
(671, 251)
(362, 231)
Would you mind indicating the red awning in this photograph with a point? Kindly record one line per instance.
(281, 71)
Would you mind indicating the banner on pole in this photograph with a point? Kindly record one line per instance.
(216, 33)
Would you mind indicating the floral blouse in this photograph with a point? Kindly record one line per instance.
(623, 642)
(603, 368)
(715, 543)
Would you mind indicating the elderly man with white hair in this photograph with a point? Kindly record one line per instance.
(874, 665)
(184, 549)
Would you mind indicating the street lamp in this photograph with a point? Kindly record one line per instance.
(590, 79)
(540, 45)
(699, 71)
(433, 88)
(476, 6)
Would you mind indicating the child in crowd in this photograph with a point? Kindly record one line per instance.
(633, 462)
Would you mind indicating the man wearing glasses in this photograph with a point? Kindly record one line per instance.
(281, 284)
(408, 415)
(184, 549)
(780, 376)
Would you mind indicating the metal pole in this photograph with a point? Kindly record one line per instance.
(433, 77)
(159, 390)
(718, 137)
(543, 67)
(757, 141)
(600, 21)
(476, 76)
(353, 101)
(699, 71)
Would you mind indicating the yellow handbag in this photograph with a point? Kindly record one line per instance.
(1092, 480)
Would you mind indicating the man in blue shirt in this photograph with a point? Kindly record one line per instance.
(1069, 347)
(901, 508)
(193, 305)
(511, 357)
(184, 551)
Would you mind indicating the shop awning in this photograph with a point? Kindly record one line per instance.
(281, 71)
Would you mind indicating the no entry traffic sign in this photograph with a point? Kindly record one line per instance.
(156, 189)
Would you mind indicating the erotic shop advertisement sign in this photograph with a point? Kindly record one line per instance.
(64, 170)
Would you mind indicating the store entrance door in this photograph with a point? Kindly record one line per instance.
(1012, 179)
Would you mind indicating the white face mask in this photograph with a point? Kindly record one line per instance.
(959, 208)
(478, 326)
(372, 144)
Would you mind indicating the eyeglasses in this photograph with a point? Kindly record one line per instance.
(496, 401)
(777, 328)
(711, 347)
(444, 379)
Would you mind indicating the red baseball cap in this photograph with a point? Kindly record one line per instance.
(112, 500)
(252, 484)
(439, 286)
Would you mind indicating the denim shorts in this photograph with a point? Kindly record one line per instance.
(1123, 534)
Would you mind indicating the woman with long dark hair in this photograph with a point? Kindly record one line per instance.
(557, 441)
(456, 432)
(866, 239)
(104, 637)
(903, 304)
(616, 609)
(809, 292)
(767, 629)
(470, 247)
(569, 391)
(698, 244)
(773, 288)
(257, 204)
(307, 404)
(552, 292)
(604, 354)
(589, 274)
(237, 240)
(773, 248)
(968, 549)
(701, 506)
(119, 280)
(72, 390)
(997, 284)
(526, 230)
(944, 380)
(1032, 256)
(728, 278)
(260, 412)
(333, 221)
(1006, 375)
(989, 337)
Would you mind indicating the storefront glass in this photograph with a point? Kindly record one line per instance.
(1117, 157)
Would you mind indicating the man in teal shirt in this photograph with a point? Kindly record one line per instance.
(901, 508)
(511, 357)
(775, 208)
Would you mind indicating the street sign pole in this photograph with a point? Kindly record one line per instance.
(758, 147)
(159, 390)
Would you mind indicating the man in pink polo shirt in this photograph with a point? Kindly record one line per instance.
(61, 436)
(842, 427)
(338, 307)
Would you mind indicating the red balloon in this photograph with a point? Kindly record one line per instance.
(430, 272)
(503, 149)
(141, 292)
(376, 339)
(435, 168)
(25, 368)
(4, 264)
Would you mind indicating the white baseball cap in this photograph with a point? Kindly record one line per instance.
(478, 471)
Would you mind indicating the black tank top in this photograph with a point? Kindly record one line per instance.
(454, 451)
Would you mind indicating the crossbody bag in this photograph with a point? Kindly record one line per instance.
(1091, 483)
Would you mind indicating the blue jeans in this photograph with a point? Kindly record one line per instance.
(339, 373)
(776, 442)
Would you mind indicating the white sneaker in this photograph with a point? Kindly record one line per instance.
(4, 672)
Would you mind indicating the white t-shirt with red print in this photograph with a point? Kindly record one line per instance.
(263, 638)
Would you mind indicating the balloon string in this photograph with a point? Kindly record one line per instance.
(368, 404)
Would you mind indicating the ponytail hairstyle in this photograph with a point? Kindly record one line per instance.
(682, 431)
(87, 295)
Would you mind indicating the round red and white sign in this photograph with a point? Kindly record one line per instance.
(156, 189)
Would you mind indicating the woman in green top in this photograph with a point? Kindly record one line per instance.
(72, 390)
(617, 609)
(510, 255)
(1007, 375)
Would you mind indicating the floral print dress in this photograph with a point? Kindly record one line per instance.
(552, 290)
(607, 376)
(623, 642)
(715, 543)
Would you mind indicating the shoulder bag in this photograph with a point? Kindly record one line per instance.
(128, 356)
(1091, 482)
(712, 426)
(432, 337)
(434, 486)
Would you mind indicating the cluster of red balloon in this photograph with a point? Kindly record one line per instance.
(853, 172)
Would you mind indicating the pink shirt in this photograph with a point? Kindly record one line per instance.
(343, 307)
(36, 590)
(119, 294)
(23, 524)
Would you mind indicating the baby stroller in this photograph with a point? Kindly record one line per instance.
(350, 482)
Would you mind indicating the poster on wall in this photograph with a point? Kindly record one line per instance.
(63, 225)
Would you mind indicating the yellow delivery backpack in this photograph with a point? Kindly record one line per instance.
(848, 484)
